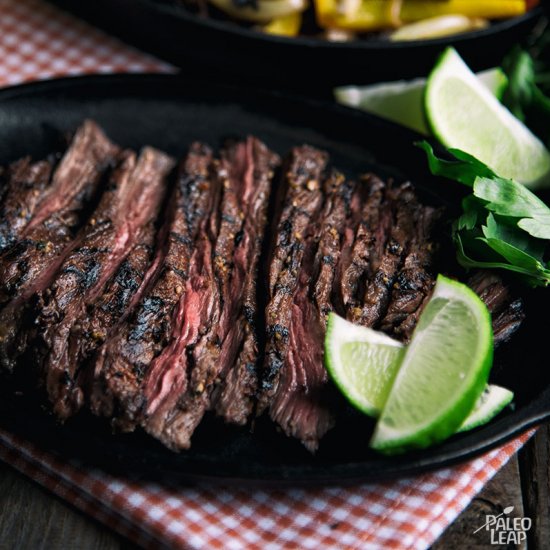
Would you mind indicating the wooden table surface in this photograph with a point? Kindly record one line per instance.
(30, 518)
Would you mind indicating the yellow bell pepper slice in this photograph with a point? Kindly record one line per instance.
(414, 10)
(382, 14)
(289, 25)
(370, 15)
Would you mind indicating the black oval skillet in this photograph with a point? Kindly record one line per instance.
(169, 113)
(226, 51)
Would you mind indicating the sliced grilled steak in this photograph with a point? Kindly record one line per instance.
(299, 208)
(132, 201)
(416, 278)
(362, 244)
(339, 213)
(25, 187)
(124, 359)
(375, 300)
(249, 167)
(508, 321)
(92, 329)
(299, 200)
(301, 403)
(153, 321)
(167, 376)
(234, 397)
(200, 310)
(506, 311)
(29, 265)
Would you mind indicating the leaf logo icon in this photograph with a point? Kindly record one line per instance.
(508, 509)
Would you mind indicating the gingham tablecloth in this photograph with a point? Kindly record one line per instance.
(38, 41)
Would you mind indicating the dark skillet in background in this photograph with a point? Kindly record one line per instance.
(168, 112)
(224, 51)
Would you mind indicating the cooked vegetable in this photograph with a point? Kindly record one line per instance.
(435, 27)
(289, 25)
(503, 224)
(262, 11)
(382, 14)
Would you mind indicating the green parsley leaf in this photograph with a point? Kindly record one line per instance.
(509, 198)
(540, 276)
(520, 70)
(503, 224)
(525, 93)
(464, 169)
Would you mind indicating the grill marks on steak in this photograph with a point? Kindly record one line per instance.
(213, 347)
(414, 282)
(92, 329)
(397, 226)
(154, 322)
(362, 244)
(365, 238)
(234, 396)
(301, 402)
(61, 211)
(299, 209)
(131, 201)
(124, 360)
(29, 265)
(506, 310)
(196, 314)
(24, 188)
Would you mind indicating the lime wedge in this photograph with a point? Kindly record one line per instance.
(464, 115)
(443, 372)
(403, 101)
(491, 402)
(362, 363)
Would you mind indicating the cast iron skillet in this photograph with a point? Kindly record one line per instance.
(169, 113)
(226, 51)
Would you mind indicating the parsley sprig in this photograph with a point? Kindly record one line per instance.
(528, 86)
(503, 224)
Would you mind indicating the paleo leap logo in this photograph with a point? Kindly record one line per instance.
(506, 530)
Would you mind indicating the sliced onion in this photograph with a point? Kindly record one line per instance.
(444, 25)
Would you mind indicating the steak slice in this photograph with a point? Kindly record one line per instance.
(25, 187)
(200, 309)
(354, 252)
(398, 226)
(300, 207)
(416, 279)
(234, 396)
(92, 329)
(301, 402)
(124, 359)
(362, 244)
(130, 203)
(30, 265)
(250, 167)
(506, 310)
(167, 376)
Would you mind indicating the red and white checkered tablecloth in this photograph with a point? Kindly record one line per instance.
(38, 41)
